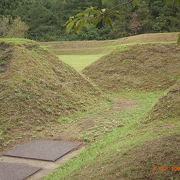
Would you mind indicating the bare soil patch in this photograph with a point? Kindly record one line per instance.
(124, 105)
(87, 123)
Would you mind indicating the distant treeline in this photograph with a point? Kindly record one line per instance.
(46, 19)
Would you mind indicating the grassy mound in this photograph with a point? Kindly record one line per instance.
(37, 88)
(150, 38)
(168, 106)
(141, 67)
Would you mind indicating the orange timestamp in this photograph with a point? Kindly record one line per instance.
(164, 169)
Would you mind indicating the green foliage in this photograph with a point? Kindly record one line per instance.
(91, 16)
(92, 19)
(173, 3)
(4, 25)
(12, 28)
(107, 2)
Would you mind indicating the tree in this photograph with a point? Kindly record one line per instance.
(17, 29)
(95, 16)
(104, 19)
(4, 25)
(10, 28)
(135, 25)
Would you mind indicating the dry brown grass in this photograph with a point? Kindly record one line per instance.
(150, 38)
(79, 44)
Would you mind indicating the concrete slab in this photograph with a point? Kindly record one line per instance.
(46, 166)
(14, 171)
(44, 150)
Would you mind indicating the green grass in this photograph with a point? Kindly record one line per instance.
(79, 62)
(15, 40)
(109, 144)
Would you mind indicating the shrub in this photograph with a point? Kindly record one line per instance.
(10, 28)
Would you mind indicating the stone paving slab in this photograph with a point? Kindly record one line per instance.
(14, 171)
(45, 150)
(46, 166)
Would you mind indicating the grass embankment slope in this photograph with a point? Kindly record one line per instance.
(36, 88)
(146, 67)
(138, 131)
(147, 146)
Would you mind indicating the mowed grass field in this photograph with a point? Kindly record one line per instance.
(79, 62)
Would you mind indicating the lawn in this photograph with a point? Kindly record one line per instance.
(79, 62)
